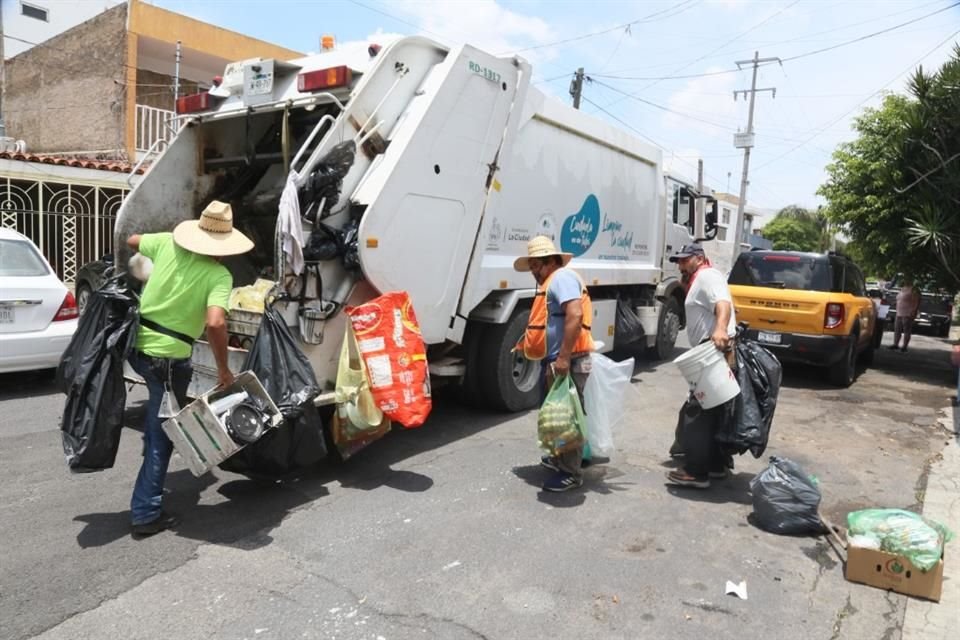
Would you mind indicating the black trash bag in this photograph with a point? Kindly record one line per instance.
(91, 375)
(323, 185)
(759, 375)
(295, 444)
(785, 499)
(288, 378)
(628, 327)
(281, 366)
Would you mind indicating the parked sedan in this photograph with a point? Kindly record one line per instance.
(38, 314)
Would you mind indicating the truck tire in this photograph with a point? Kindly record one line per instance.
(668, 328)
(509, 381)
(844, 371)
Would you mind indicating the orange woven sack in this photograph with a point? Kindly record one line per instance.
(392, 348)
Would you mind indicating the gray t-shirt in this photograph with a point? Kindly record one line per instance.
(564, 287)
(709, 287)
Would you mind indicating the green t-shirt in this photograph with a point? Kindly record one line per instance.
(180, 288)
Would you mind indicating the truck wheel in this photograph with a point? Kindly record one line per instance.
(508, 380)
(944, 330)
(843, 372)
(668, 328)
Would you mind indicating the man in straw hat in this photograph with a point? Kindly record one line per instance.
(188, 290)
(709, 312)
(558, 334)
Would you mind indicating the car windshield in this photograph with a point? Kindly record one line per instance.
(781, 271)
(20, 259)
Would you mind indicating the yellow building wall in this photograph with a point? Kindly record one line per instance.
(148, 21)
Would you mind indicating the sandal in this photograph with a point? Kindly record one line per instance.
(684, 479)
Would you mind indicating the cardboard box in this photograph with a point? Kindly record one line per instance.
(893, 572)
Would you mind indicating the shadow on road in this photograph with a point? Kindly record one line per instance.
(249, 507)
(921, 364)
(28, 384)
(735, 489)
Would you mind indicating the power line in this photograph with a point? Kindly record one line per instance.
(660, 107)
(805, 38)
(871, 35)
(647, 18)
(401, 20)
(712, 51)
(787, 59)
(856, 106)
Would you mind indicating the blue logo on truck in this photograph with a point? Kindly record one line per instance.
(582, 228)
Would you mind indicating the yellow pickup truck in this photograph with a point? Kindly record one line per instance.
(807, 307)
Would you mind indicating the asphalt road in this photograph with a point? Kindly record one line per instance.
(441, 532)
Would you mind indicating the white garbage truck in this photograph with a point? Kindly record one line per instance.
(425, 169)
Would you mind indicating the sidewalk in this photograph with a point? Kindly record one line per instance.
(929, 620)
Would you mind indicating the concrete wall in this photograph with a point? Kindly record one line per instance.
(156, 89)
(68, 94)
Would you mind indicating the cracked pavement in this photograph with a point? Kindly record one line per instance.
(441, 532)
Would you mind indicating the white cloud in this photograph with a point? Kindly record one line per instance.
(482, 23)
(705, 100)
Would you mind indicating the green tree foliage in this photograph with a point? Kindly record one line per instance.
(895, 190)
(793, 229)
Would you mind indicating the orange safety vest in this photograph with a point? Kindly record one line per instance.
(535, 337)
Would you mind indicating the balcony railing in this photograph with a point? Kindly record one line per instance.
(153, 124)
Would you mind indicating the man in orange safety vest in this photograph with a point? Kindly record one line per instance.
(558, 335)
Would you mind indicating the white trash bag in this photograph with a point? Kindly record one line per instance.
(604, 400)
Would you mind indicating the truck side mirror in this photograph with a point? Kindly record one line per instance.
(710, 227)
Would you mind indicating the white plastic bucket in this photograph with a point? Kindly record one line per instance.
(711, 381)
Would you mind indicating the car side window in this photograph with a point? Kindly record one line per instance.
(861, 282)
(837, 276)
(853, 281)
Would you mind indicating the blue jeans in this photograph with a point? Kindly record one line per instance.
(157, 448)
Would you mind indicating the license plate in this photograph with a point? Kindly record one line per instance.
(260, 84)
(6, 315)
(769, 338)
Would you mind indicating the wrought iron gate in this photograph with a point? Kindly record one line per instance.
(71, 223)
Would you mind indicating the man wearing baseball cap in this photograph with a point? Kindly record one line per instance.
(710, 316)
(188, 291)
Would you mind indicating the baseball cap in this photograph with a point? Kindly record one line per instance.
(687, 250)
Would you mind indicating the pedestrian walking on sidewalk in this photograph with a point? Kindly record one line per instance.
(188, 290)
(710, 316)
(908, 305)
(558, 335)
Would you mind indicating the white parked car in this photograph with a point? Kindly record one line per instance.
(38, 314)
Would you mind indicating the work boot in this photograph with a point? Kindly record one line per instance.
(163, 522)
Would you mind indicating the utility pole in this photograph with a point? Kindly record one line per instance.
(698, 224)
(576, 88)
(176, 78)
(745, 140)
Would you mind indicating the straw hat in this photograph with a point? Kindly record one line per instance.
(540, 247)
(213, 234)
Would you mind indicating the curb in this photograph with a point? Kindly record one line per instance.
(930, 620)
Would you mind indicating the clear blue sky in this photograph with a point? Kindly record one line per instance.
(817, 95)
